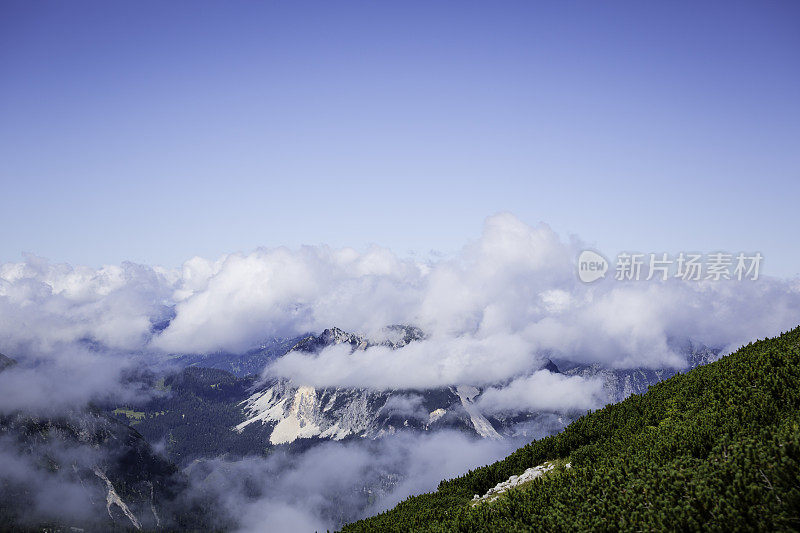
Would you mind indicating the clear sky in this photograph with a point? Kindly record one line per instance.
(155, 131)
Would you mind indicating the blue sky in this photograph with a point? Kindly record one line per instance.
(155, 131)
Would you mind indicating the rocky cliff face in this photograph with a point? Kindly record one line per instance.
(289, 411)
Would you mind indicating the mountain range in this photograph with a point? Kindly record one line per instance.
(248, 414)
(218, 405)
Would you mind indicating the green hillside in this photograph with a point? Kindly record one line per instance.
(717, 448)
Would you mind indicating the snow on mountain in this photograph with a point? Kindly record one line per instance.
(295, 412)
(112, 498)
(290, 411)
(484, 428)
(435, 415)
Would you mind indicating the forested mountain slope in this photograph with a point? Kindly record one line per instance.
(717, 448)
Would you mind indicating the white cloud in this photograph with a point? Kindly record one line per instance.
(326, 486)
(243, 298)
(435, 362)
(493, 311)
(544, 391)
(408, 406)
(43, 305)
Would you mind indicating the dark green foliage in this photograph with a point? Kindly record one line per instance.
(715, 449)
(196, 415)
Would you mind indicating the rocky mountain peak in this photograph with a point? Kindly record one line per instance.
(6, 362)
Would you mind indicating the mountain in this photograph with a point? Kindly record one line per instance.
(289, 411)
(82, 470)
(394, 336)
(621, 383)
(251, 362)
(204, 412)
(103, 464)
(193, 413)
(6, 362)
(717, 448)
(85, 470)
(208, 412)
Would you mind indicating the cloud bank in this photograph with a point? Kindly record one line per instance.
(543, 391)
(492, 312)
